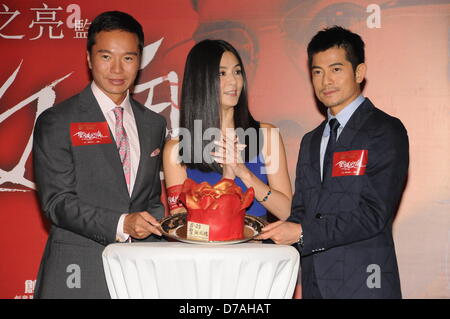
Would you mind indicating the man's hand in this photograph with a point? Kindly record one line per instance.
(281, 232)
(140, 225)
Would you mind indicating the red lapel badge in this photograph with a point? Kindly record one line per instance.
(350, 163)
(90, 133)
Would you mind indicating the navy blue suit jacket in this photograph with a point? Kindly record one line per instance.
(347, 220)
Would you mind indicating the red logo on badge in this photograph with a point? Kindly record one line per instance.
(90, 133)
(350, 163)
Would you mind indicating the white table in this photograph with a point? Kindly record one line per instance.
(187, 271)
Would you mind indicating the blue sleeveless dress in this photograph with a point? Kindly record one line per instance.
(256, 166)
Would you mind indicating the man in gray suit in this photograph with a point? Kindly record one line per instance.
(97, 164)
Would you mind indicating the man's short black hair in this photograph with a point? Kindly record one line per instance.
(114, 20)
(338, 37)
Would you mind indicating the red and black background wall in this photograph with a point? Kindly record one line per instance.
(43, 62)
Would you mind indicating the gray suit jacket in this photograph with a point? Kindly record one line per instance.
(83, 192)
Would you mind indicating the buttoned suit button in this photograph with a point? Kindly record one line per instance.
(319, 216)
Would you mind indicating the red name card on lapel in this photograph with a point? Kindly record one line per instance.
(350, 163)
(90, 133)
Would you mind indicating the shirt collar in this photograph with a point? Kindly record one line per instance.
(344, 115)
(106, 104)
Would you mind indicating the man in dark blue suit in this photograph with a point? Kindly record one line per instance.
(351, 173)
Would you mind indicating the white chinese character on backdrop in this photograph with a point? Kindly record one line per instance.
(29, 286)
(81, 28)
(46, 17)
(171, 77)
(45, 99)
(12, 15)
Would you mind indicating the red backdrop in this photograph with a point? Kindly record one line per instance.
(43, 62)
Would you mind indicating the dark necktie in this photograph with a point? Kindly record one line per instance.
(328, 158)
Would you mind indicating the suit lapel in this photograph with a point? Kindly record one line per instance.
(91, 112)
(353, 125)
(316, 144)
(315, 152)
(145, 133)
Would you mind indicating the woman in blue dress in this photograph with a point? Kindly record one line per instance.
(218, 137)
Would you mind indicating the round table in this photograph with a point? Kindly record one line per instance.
(178, 270)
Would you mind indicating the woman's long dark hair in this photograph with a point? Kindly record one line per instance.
(200, 100)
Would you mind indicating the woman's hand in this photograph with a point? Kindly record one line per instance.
(228, 155)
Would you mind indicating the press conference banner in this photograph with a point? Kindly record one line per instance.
(43, 62)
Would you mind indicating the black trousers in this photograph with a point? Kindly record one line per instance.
(310, 288)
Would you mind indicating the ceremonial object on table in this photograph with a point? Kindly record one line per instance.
(215, 213)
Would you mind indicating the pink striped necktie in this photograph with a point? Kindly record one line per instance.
(122, 144)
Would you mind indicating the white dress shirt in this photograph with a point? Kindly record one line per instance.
(107, 106)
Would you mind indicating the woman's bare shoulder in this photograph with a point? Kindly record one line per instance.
(267, 125)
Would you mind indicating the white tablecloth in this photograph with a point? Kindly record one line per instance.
(179, 270)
